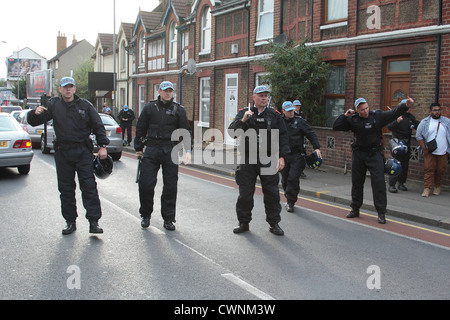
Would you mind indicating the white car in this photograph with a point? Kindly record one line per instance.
(15, 145)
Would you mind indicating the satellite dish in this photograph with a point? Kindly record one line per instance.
(191, 66)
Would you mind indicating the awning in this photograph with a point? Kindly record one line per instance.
(104, 94)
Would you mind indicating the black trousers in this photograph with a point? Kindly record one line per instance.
(246, 175)
(156, 157)
(401, 178)
(126, 127)
(374, 162)
(77, 159)
(290, 176)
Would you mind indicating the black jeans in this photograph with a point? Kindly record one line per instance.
(246, 175)
(156, 157)
(77, 159)
(374, 162)
(126, 127)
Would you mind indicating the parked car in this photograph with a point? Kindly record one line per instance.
(15, 145)
(9, 109)
(34, 132)
(16, 114)
(113, 131)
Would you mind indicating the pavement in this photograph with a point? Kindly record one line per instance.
(333, 184)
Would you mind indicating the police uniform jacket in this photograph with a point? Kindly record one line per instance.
(129, 114)
(73, 121)
(158, 121)
(298, 129)
(268, 119)
(368, 131)
(402, 130)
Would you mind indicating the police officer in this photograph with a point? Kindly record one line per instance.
(367, 151)
(401, 131)
(74, 119)
(256, 126)
(126, 117)
(158, 120)
(298, 129)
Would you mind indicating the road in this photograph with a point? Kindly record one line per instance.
(321, 256)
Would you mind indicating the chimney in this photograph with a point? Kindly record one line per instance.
(74, 40)
(61, 42)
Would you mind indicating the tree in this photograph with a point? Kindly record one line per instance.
(297, 72)
(22, 88)
(80, 75)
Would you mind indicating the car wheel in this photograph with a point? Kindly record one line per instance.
(24, 169)
(44, 148)
(116, 156)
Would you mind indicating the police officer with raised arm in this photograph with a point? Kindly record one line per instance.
(367, 151)
(156, 124)
(262, 157)
(74, 119)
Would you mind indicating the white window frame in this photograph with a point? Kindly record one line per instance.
(122, 54)
(141, 50)
(206, 31)
(204, 101)
(173, 42)
(141, 98)
(263, 11)
(336, 10)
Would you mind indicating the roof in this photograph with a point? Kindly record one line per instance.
(64, 51)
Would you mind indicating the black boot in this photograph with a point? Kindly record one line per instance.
(69, 228)
(169, 225)
(243, 226)
(402, 187)
(392, 189)
(381, 218)
(94, 228)
(353, 214)
(275, 229)
(145, 223)
(289, 207)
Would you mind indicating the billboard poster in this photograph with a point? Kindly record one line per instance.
(22, 66)
(39, 83)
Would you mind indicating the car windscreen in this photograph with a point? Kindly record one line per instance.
(108, 121)
(7, 125)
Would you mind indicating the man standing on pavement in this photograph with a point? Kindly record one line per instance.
(74, 119)
(401, 131)
(126, 117)
(435, 127)
(158, 120)
(258, 121)
(367, 151)
(298, 129)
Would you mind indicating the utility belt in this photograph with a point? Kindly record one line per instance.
(158, 142)
(66, 145)
(370, 150)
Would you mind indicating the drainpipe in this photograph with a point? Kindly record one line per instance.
(438, 56)
(248, 50)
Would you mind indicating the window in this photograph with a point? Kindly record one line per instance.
(336, 10)
(204, 101)
(99, 60)
(335, 93)
(173, 42)
(122, 54)
(265, 20)
(141, 98)
(141, 49)
(206, 30)
(185, 54)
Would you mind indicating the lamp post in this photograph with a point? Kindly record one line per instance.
(114, 58)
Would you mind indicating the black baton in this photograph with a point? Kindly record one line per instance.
(138, 169)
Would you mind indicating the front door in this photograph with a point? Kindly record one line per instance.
(231, 105)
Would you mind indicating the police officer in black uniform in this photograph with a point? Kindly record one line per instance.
(158, 120)
(257, 123)
(126, 117)
(298, 129)
(367, 151)
(74, 119)
(401, 130)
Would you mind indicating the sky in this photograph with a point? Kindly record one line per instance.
(35, 24)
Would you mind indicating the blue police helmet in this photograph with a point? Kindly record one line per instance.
(392, 167)
(313, 161)
(398, 147)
